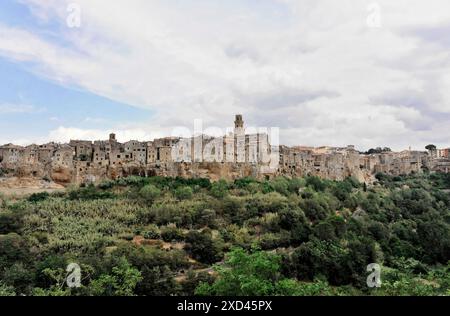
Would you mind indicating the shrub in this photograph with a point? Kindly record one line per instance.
(120, 282)
(316, 183)
(6, 290)
(149, 193)
(272, 202)
(90, 193)
(315, 209)
(11, 221)
(243, 183)
(13, 248)
(205, 217)
(105, 185)
(184, 193)
(296, 184)
(19, 277)
(203, 248)
(152, 232)
(280, 185)
(219, 189)
(170, 233)
(38, 197)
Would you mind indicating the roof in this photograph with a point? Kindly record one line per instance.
(11, 146)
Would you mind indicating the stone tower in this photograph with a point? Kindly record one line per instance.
(239, 139)
(239, 125)
(112, 137)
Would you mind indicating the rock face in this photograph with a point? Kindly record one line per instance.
(235, 155)
(62, 175)
(27, 185)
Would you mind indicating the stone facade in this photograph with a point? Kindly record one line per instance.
(232, 156)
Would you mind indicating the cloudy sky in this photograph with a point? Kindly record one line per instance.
(326, 72)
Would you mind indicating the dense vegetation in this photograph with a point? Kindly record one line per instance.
(160, 236)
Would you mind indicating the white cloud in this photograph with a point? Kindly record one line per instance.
(10, 108)
(311, 67)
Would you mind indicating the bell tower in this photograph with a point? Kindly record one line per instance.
(239, 125)
(239, 140)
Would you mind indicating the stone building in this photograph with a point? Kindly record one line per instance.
(136, 152)
(63, 156)
(443, 153)
(46, 152)
(239, 153)
(30, 155)
(83, 150)
(10, 154)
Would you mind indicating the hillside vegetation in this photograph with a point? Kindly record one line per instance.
(161, 236)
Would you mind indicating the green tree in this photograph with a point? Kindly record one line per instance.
(219, 189)
(434, 237)
(121, 282)
(171, 233)
(19, 277)
(248, 274)
(184, 193)
(280, 185)
(296, 223)
(431, 147)
(203, 248)
(316, 183)
(38, 197)
(11, 221)
(296, 184)
(150, 193)
(13, 248)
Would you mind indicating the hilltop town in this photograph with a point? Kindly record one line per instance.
(237, 154)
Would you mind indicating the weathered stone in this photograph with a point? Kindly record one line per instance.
(232, 156)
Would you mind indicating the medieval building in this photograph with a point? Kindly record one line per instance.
(240, 153)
